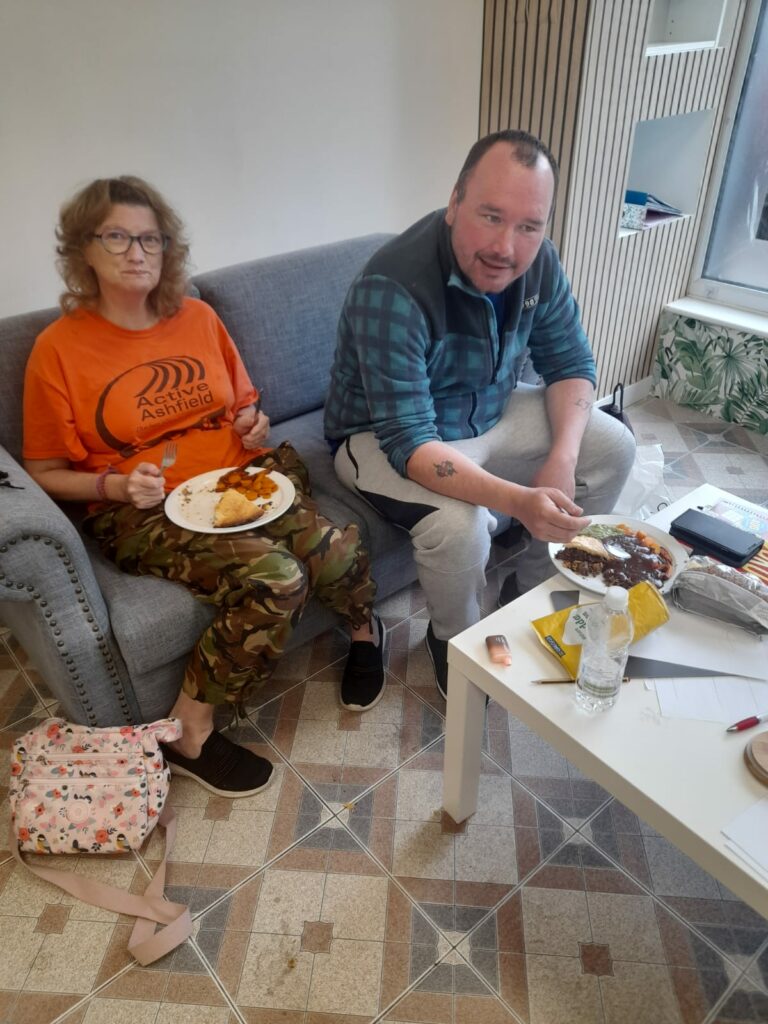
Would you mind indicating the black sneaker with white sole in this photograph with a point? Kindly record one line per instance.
(362, 685)
(438, 655)
(223, 767)
(510, 591)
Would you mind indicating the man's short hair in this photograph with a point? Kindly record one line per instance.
(526, 148)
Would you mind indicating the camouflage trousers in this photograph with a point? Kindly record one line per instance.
(259, 580)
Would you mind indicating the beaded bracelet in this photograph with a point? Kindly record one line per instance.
(101, 489)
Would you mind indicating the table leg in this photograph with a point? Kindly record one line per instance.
(463, 745)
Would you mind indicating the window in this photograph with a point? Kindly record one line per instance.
(732, 263)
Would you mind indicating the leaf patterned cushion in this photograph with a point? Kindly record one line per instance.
(717, 370)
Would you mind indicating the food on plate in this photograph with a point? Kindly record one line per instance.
(250, 485)
(234, 509)
(620, 555)
(590, 545)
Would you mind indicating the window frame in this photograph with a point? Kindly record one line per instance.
(700, 287)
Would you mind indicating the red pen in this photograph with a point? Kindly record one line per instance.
(747, 723)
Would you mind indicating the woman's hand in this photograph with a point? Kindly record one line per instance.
(252, 426)
(145, 486)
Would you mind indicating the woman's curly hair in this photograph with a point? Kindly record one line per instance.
(80, 218)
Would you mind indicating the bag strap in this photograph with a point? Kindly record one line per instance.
(145, 944)
(619, 405)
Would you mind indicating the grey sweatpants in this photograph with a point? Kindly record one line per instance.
(451, 538)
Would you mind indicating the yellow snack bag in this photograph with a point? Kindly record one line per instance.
(646, 606)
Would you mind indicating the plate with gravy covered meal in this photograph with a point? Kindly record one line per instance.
(228, 500)
(614, 551)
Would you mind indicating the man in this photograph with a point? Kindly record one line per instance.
(429, 422)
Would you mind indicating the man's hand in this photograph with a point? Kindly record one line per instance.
(548, 514)
(559, 472)
(252, 426)
(144, 486)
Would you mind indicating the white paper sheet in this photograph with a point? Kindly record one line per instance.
(763, 872)
(705, 643)
(749, 833)
(725, 699)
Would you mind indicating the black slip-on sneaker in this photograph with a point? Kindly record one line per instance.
(362, 685)
(223, 767)
(438, 655)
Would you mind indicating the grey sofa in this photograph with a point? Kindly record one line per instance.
(112, 648)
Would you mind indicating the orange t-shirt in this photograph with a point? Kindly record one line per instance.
(99, 395)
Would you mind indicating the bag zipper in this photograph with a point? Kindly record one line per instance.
(85, 756)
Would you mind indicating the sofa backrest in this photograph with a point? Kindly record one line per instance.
(17, 336)
(282, 312)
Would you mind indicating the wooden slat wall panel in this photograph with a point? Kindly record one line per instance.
(574, 72)
(532, 55)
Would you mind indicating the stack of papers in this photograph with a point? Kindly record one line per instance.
(747, 837)
(711, 646)
(725, 699)
(707, 644)
(642, 210)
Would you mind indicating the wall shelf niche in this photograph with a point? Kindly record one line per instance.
(678, 25)
(667, 160)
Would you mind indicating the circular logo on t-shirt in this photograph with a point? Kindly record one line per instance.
(151, 399)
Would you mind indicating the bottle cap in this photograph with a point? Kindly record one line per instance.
(617, 599)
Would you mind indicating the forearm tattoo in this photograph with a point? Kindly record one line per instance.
(583, 403)
(445, 468)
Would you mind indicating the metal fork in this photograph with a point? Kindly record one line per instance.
(169, 455)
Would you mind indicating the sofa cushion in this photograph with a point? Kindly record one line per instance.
(288, 346)
(305, 433)
(144, 607)
(17, 336)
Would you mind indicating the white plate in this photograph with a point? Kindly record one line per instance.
(191, 504)
(595, 583)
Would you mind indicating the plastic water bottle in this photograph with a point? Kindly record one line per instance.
(604, 652)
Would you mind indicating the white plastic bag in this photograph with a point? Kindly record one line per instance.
(645, 491)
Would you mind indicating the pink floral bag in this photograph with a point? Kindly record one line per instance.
(76, 789)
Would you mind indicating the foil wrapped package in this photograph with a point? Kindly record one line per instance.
(706, 587)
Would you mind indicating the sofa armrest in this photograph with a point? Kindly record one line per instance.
(49, 597)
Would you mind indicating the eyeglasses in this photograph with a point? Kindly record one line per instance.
(119, 242)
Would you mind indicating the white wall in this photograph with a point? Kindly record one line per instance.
(269, 124)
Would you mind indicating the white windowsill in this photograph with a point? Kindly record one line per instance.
(725, 316)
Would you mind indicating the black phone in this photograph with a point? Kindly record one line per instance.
(564, 599)
(709, 535)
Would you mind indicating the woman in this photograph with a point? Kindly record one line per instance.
(131, 364)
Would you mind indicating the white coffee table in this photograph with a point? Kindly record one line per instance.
(686, 778)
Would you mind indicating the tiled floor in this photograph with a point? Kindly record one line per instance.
(343, 895)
